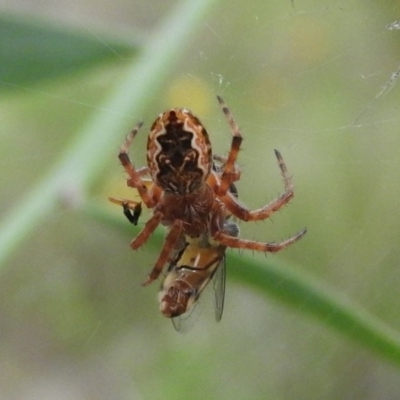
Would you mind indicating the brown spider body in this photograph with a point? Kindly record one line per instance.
(186, 193)
(179, 153)
(193, 209)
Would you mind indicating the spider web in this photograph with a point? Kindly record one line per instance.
(316, 80)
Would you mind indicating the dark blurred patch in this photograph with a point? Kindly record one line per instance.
(32, 51)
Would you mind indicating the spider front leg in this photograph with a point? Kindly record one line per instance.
(241, 212)
(134, 180)
(229, 173)
(133, 209)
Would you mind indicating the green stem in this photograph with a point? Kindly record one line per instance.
(311, 297)
(298, 290)
(81, 161)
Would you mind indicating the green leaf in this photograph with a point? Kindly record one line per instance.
(309, 296)
(294, 288)
(30, 51)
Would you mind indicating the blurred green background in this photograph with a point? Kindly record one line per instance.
(306, 77)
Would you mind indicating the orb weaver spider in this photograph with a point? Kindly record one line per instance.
(185, 192)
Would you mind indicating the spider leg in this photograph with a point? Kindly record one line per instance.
(134, 179)
(237, 243)
(229, 173)
(241, 212)
(148, 229)
(133, 209)
(228, 236)
(219, 165)
(170, 242)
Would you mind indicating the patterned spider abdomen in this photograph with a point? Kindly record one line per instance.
(179, 152)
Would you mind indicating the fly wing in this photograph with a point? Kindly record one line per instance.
(220, 274)
(219, 288)
(214, 270)
(184, 322)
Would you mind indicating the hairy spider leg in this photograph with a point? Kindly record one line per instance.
(241, 212)
(229, 173)
(170, 242)
(225, 238)
(237, 243)
(133, 209)
(145, 233)
(134, 180)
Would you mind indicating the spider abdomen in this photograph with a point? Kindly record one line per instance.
(179, 152)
